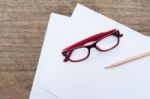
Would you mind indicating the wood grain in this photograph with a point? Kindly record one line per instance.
(22, 28)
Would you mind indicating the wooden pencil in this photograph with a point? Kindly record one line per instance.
(129, 59)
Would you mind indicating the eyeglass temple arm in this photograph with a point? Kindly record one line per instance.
(68, 56)
(89, 39)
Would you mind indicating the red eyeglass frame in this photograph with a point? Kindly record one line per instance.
(97, 37)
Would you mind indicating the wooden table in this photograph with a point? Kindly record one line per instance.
(22, 28)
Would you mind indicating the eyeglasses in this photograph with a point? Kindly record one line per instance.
(104, 41)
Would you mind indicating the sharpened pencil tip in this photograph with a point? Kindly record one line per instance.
(106, 67)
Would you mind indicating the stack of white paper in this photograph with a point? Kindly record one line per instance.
(88, 79)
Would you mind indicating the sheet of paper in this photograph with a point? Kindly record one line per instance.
(81, 12)
(56, 23)
(89, 79)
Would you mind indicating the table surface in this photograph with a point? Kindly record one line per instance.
(22, 28)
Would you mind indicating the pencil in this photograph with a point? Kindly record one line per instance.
(129, 60)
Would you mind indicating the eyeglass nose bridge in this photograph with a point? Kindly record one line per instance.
(91, 46)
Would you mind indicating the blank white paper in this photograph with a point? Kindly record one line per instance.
(88, 79)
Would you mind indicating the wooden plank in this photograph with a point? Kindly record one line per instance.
(16, 84)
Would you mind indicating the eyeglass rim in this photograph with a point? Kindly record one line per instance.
(68, 58)
(103, 50)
